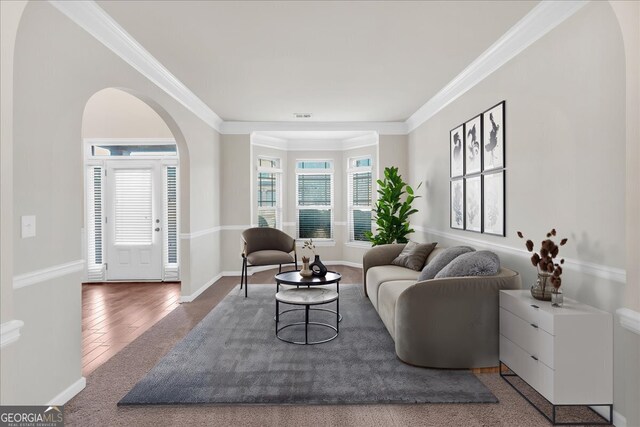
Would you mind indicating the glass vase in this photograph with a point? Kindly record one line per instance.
(541, 289)
(557, 300)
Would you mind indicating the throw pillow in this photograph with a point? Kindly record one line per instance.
(414, 255)
(441, 260)
(481, 263)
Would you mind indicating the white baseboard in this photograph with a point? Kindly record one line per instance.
(189, 298)
(345, 263)
(618, 419)
(68, 393)
(286, 267)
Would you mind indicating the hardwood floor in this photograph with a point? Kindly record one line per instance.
(115, 314)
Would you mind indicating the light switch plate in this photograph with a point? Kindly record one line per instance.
(28, 226)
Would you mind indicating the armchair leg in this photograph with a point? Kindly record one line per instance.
(246, 279)
(295, 258)
(244, 265)
(279, 268)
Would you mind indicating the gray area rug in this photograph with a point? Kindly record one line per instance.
(232, 356)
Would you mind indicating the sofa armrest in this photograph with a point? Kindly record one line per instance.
(379, 255)
(452, 322)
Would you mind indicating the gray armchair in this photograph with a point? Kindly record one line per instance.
(266, 246)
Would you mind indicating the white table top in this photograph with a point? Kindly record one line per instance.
(307, 296)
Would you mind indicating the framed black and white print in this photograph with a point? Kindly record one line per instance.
(473, 145)
(493, 137)
(456, 201)
(456, 139)
(473, 203)
(494, 206)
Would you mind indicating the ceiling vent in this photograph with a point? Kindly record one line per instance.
(302, 115)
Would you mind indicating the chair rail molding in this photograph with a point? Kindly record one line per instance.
(10, 332)
(614, 274)
(49, 273)
(539, 21)
(629, 319)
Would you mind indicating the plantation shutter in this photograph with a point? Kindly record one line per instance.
(171, 227)
(133, 206)
(315, 213)
(95, 266)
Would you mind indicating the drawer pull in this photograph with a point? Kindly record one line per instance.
(534, 358)
(535, 326)
(534, 306)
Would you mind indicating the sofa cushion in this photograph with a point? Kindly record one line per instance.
(480, 263)
(387, 298)
(386, 273)
(269, 257)
(441, 260)
(414, 255)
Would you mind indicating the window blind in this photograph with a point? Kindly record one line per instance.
(171, 228)
(268, 197)
(133, 206)
(359, 188)
(315, 203)
(95, 266)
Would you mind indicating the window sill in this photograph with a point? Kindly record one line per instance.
(359, 245)
(317, 243)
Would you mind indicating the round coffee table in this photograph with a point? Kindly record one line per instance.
(307, 297)
(293, 278)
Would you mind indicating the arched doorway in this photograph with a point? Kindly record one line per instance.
(131, 238)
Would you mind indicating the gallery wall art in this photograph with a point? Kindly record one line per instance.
(477, 173)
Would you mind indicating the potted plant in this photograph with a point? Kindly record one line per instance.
(393, 209)
(549, 269)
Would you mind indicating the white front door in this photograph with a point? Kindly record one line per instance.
(134, 197)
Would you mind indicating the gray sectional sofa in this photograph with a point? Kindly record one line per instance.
(440, 323)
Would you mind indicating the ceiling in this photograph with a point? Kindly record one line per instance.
(341, 61)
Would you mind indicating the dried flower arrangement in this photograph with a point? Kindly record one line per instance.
(305, 258)
(308, 244)
(545, 261)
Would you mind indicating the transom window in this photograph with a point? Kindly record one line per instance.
(359, 198)
(314, 201)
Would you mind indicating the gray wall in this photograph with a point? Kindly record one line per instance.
(50, 94)
(565, 165)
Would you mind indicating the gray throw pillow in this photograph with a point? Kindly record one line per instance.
(414, 255)
(441, 260)
(481, 263)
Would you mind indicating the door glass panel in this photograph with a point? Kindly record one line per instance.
(133, 207)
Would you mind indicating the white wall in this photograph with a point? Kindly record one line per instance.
(565, 165)
(112, 113)
(57, 68)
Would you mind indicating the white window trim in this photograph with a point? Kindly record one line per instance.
(350, 206)
(279, 186)
(327, 171)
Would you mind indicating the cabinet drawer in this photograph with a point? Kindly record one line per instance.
(528, 310)
(528, 336)
(519, 361)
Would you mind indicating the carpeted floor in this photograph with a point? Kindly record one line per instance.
(96, 405)
(232, 356)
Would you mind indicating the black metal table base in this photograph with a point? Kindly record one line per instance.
(306, 324)
(553, 418)
(312, 309)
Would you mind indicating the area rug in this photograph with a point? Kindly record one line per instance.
(233, 357)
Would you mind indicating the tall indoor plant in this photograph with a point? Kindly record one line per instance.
(392, 212)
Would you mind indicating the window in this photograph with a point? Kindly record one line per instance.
(171, 228)
(314, 189)
(359, 198)
(269, 201)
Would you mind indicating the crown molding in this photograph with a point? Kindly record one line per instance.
(539, 21)
(94, 20)
(383, 128)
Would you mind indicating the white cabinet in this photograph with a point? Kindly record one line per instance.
(565, 353)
